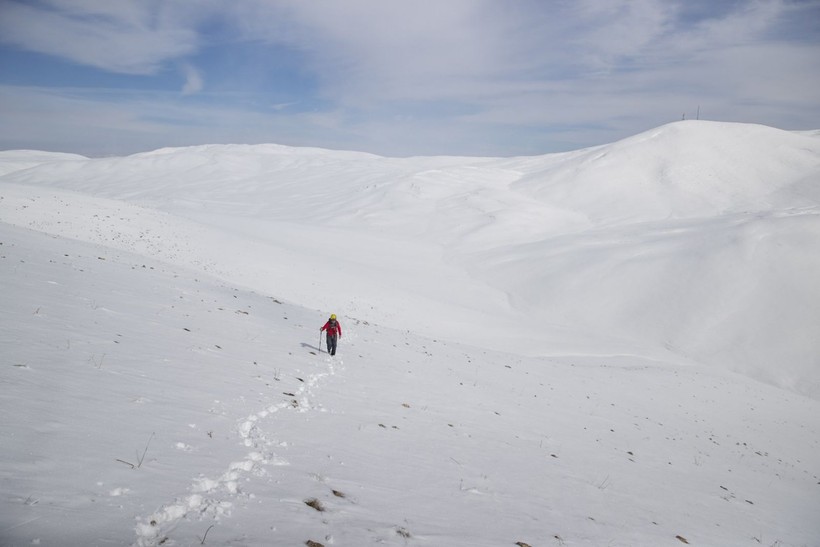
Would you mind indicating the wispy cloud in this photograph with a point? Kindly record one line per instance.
(134, 37)
(193, 80)
(426, 76)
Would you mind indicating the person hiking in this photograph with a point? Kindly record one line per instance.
(334, 332)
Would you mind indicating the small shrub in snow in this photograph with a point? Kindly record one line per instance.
(140, 459)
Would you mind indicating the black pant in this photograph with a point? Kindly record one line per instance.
(331, 343)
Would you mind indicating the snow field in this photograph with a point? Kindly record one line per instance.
(694, 241)
(570, 381)
(427, 439)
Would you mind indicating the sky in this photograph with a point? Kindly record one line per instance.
(397, 77)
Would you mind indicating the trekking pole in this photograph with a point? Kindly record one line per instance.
(320, 341)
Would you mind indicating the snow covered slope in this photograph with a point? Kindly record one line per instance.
(694, 241)
(147, 404)
(539, 350)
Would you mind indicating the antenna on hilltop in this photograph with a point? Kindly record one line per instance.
(697, 116)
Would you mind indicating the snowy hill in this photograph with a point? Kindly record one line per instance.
(696, 240)
(540, 350)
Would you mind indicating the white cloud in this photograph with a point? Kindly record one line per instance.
(606, 34)
(127, 36)
(397, 50)
(455, 76)
(193, 80)
(367, 54)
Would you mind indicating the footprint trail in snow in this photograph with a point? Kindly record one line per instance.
(212, 498)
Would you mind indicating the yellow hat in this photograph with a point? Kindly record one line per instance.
(333, 316)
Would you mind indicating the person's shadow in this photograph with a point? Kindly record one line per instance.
(309, 346)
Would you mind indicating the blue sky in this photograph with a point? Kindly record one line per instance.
(397, 77)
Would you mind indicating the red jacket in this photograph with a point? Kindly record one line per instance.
(334, 329)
